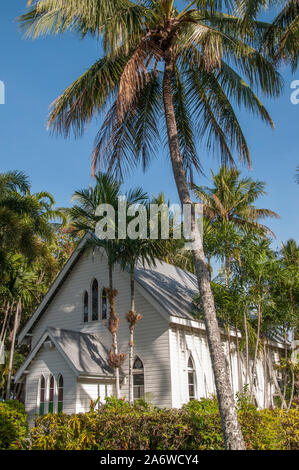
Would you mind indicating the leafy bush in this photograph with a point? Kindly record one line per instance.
(13, 425)
(119, 426)
(197, 426)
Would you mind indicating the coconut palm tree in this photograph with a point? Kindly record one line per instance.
(179, 69)
(281, 38)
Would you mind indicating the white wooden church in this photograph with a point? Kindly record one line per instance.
(69, 341)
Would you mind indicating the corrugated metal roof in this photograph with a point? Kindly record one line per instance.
(171, 286)
(84, 350)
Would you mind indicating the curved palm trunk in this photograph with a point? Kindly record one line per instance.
(12, 347)
(231, 429)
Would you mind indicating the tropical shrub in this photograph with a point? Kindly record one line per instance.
(197, 426)
(13, 425)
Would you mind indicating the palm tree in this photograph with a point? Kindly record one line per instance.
(169, 68)
(289, 280)
(24, 288)
(281, 38)
(25, 218)
(145, 251)
(83, 218)
(229, 207)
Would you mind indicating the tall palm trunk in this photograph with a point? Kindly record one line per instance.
(292, 373)
(259, 322)
(6, 316)
(131, 342)
(12, 347)
(285, 372)
(247, 377)
(133, 318)
(231, 429)
(113, 326)
(240, 377)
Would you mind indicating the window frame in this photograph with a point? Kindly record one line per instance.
(51, 403)
(85, 304)
(60, 403)
(41, 403)
(94, 302)
(191, 370)
(104, 297)
(138, 372)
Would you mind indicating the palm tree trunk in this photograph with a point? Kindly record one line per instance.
(6, 316)
(231, 429)
(12, 347)
(240, 378)
(266, 379)
(131, 343)
(285, 372)
(293, 374)
(259, 321)
(114, 334)
(230, 357)
(246, 347)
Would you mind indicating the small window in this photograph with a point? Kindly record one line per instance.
(104, 304)
(191, 379)
(138, 378)
(95, 300)
(51, 394)
(42, 390)
(60, 394)
(85, 308)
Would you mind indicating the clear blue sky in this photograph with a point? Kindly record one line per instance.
(36, 72)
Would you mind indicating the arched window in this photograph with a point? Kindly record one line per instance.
(191, 379)
(42, 390)
(51, 394)
(60, 394)
(104, 304)
(138, 378)
(95, 300)
(85, 307)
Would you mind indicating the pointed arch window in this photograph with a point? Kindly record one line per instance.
(104, 304)
(191, 379)
(60, 394)
(95, 300)
(138, 378)
(42, 392)
(51, 394)
(85, 307)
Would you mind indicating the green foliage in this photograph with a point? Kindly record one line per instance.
(244, 400)
(13, 425)
(197, 426)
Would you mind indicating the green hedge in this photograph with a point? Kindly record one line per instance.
(117, 426)
(13, 425)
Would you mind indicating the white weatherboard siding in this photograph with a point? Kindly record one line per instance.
(89, 390)
(164, 339)
(46, 363)
(184, 342)
(151, 333)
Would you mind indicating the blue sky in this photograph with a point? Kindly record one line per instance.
(36, 72)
